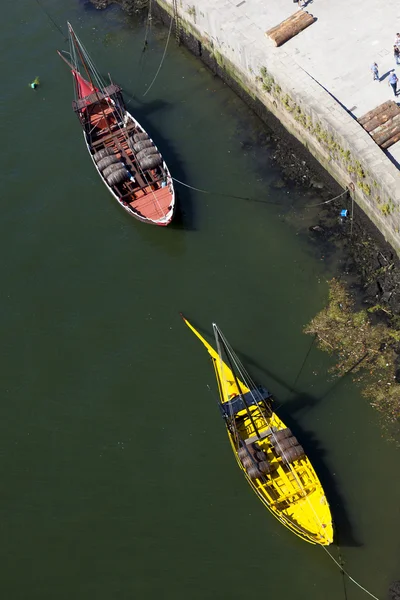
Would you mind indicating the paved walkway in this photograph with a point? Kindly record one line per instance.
(338, 49)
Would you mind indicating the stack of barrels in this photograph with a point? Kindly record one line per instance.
(112, 169)
(146, 153)
(286, 446)
(255, 461)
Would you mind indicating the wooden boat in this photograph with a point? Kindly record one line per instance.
(124, 155)
(271, 458)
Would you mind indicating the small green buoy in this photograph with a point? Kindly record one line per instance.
(34, 83)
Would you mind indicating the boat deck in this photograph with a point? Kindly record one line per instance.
(153, 204)
(148, 196)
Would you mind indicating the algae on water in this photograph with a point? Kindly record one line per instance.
(364, 345)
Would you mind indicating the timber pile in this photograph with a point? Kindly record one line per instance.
(290, 27)
(383, 124)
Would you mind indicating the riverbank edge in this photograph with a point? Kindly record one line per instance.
(304, 108)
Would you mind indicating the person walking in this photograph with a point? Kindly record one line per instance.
(396, 54)
(375, 72)
(397, 40)
(393, 79)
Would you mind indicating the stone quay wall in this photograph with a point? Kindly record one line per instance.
(268, 81)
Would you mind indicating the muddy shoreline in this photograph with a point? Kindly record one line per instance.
(129, 6)
(370, 265)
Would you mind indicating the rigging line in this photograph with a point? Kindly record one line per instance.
(242, 371)
(162, 59)
(305, 360)
(300, 371)
(249, 382)
(52, 20)
(348, 574)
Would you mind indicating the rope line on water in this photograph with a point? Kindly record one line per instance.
(214, 193)
(191, 187)
(148, 26)
(52, 20)
(348, 574)
(162, 59)
(343, 575)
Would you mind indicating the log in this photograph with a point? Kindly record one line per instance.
(375, 111)
(388, 136)
(382, 117)
(389, 131)
(384, 127)
(391, 141)
(385, 135)
(286, 30)
(290, 19)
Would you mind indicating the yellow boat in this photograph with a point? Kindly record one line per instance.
(271, 458)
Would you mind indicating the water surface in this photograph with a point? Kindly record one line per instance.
(117, 478)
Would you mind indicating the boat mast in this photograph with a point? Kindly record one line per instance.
(77, 46)
(74, 39)
(218, 339)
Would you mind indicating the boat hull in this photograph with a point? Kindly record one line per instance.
(124, 155)
(162, 222)
(325, 538)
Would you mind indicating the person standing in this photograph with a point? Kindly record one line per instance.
(375, 72)
(393, 79)
(396, 54)
(397, 40)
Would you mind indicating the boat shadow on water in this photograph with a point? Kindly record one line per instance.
(344, 534)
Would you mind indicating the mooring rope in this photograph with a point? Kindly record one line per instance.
(327, 201)
(148, 27)
(348, 574)
(162, 59)
(191, 187)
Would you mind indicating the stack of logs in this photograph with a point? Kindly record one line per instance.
(290, 27)
(383, 124)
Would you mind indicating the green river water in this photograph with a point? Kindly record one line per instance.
(117, 481)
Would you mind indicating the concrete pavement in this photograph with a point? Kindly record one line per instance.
(337, 50)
